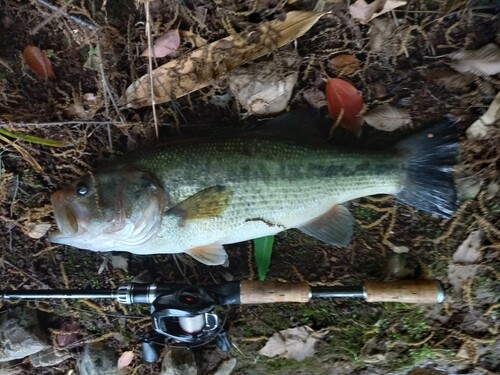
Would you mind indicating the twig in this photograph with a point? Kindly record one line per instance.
(61, 12)
(150, 68)
(25, 273)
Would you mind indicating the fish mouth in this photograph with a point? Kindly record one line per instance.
(70, 216)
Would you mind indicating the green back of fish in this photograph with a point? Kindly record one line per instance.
(270, 171)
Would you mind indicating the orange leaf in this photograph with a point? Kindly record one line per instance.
(344, 104)
(38, 62)
(345, 63)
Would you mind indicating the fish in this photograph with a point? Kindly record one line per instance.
(195, 196)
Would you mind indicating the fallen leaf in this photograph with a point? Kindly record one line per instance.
(483, 61)
(468, 187)
(164, 45)
(484, 126)
(120, 261)
(382, 36)
(315, 97)
(226, 367)
(398, 267)
(364, 12)
(375, 358)
(68, 333)
(447, 77)
(387, 118)
(37, 230)
(344, 103)
(266, 87)
(196, 40)
(459, 274)
(125, 359)
(209, 63)
(468, 251)
(345, 63)
(38, 62)
(293, 343)
(397, 249)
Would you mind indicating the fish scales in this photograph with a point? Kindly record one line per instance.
(267, 176)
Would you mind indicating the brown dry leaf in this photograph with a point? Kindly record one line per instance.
(382, 36)
(364, 12)
(483, 61)
(209, 63)
(195, 39)
(447, 77)
(345, 63)
(387, 118)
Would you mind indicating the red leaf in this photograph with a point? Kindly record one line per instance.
(38, 62)
(344, 102)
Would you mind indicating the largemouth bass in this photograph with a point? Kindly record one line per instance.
(196, 196)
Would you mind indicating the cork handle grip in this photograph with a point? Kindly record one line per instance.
(406, 291)
(272, 292)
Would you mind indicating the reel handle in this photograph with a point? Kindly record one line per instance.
(252, 292)
(405, 291)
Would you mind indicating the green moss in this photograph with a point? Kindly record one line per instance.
(365, 214)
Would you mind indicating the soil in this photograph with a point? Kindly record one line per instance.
(94, 48)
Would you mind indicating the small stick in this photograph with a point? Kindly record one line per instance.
(150, 67)
(60, 12)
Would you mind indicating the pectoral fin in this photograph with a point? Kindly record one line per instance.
(204, 204)
(211, 255)
(334, 227)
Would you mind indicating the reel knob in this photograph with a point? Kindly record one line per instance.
(149, 351)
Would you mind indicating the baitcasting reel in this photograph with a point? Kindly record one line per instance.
(184, 314)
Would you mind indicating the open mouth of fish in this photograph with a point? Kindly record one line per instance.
(69, 216)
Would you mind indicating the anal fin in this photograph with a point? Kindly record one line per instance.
(334, 227)
(211, 255)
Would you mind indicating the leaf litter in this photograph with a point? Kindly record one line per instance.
(384, 76)
(185, 75)
(164, 45)
(483, 61)
(296, 343)
(387, 118)
(365, 12)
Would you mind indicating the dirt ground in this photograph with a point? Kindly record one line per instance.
(94, 48)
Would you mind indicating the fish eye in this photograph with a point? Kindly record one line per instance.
(81, 189)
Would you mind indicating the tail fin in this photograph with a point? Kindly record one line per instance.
(429, 160)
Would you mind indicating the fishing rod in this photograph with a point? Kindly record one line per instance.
(185, 314)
